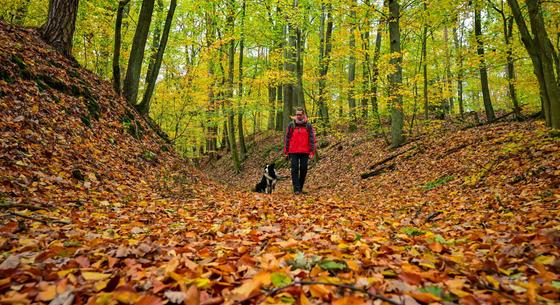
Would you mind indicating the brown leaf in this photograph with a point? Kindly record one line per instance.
(192, 297)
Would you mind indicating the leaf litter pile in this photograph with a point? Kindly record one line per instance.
(96, 209)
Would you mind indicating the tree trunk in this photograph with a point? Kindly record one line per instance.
(490, 116)
(117, 47)
(325, 46)
(279, 112)
(542, 53)
(449, 101)
(366, 73)
(231, 63)
(136, 58)
(508, 35)
(144, 106)
(272, 103)
(211, 129)
(395, 78)
(425, 64)
(375, 68)
(459, 50)
(290, 90)
(352, 68)
(300, 98)
(58, 31)
(156, 37)
(242, 146)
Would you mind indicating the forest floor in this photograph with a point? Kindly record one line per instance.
(96, 209)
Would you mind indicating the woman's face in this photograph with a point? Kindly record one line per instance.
(299, 115)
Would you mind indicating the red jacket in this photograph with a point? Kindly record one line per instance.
(300, 138)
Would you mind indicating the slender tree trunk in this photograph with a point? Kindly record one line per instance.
(300, 98)
(156, 37)
(272, 101)
(507, 28)
(324, 58)
(58, 31)
(225, 138)
(117, 47)
(490, 116)
(290, 90)
(366, 70)
(375, 68)
(425, 64)
(242, 146)
(510, 69)
(280, 111)
(211, 129)
(459, 50)
(231, 63)
(449, 101)
(144, 106)
(136, 58)
(395, 78)
(352, 68)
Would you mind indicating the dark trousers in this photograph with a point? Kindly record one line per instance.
(299, 170)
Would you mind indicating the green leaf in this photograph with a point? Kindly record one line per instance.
(438, 238)
(333, 265)
(413, 231)
(435, 290)
(287, 299)
(280, 279)
(441, 181)
(556, 284)
(71, 243)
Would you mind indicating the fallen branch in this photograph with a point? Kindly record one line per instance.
(391, 157)
(433, 215)
(44, 219)
(379, 171)
(489, 122)
(345, 286)
(453, 150)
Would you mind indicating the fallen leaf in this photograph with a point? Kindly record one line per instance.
(10, 263)
(47, 294)
(150, 300)
(95, 276)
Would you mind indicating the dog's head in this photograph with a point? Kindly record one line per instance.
(269, 169)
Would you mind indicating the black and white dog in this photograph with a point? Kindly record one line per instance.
(268, 180)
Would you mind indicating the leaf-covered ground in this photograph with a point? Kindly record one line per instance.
(96, 209)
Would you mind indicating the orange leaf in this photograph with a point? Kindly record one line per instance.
(249, 287)
(349, 300)
(320, 291)
(303, 300)
(436, 247)
(468, 300)
(150, 300)
(411, 278)
(47, 294)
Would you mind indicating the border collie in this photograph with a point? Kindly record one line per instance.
(268, 180)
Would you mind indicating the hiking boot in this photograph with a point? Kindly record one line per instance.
(297, 193)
